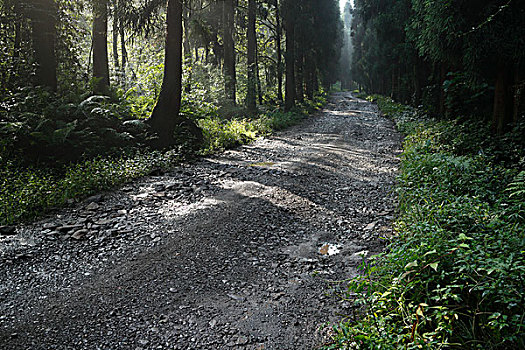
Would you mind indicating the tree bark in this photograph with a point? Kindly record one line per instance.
(289, 27)
(188, 56)
(43, 22)
(278, 38)
(258, 77)
(229, 51)
(310, 76)
(115, 32)
(299, 76)
(502, 116)
(123, 52)
(100, 46)
(165, 116)
(251, 104)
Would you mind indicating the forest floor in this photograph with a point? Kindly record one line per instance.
(241, 250)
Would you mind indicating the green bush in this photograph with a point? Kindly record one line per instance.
(453, 275)
(25, 192)
(38, 126)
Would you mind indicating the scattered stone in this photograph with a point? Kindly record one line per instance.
(7, 230)
(237, 297)
(80, 234)
(68, 228)
(370, 226)
(50, 226)
(95, 199)
(242, 340)
(93, 206)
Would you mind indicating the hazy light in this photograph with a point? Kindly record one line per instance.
(342, 4)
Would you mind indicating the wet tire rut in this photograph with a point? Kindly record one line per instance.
(236, 251)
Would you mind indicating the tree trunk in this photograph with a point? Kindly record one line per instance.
(442, 78)
(115, 32)
(278, 37)
(9, 76)
(503, 98)
(252, 53)
(100, 46)
(229, 51)
(43, 21)
(188, 56)
(165, 117)
(299, 76)
(517, 92)
(310, 70)
(123, 52)
(289, 26)
(417, 85)
(258, 77)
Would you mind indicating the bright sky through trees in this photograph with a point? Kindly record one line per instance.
(342, 3)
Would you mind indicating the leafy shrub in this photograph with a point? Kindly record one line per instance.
(453, 275)
(27, 192)
(220, 134)
(43, 128)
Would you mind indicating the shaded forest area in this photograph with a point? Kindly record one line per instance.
(454, 58)
(94, 92)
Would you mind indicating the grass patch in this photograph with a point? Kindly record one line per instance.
(452, 277)
(26, 193)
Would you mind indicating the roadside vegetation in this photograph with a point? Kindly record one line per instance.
(452, 276)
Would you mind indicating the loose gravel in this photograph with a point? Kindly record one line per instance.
(236, 251)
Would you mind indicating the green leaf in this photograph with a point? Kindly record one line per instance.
(412, 264)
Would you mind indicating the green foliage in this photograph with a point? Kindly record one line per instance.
(453, 275)
(27, 192)
(220, 134)
(44, 128)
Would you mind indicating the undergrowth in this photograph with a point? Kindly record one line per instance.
(452, 277)
(48, 160)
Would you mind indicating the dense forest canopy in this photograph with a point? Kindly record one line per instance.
(459, 58)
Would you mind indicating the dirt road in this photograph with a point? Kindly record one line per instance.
(231, 252)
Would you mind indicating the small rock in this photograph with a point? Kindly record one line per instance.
(78, 235)
(242, 340)
(92, 206)
(68, 228)
(50, 226)
(277, 296)
(237, 297)
(95, 199)
(370, 226)
(7, 230)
